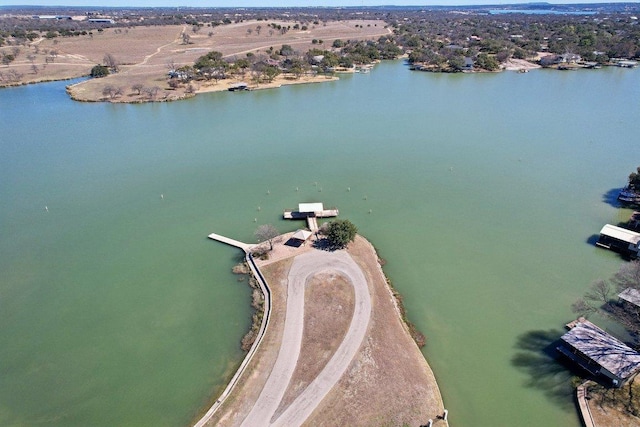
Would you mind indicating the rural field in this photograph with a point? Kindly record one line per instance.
(145, 54)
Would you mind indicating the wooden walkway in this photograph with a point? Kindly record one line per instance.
(581, 393)
(244, 246)
(312, 223)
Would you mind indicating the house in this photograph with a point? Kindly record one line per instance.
(619, 239)
(569, 58)
(599, 353)
(468, 63)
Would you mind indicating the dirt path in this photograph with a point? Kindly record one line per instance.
(303, 268)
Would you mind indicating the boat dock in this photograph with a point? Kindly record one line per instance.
(310, 212)
(244, 246)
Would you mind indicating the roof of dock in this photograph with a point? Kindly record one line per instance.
(603, 348)
(620, 233)
(630, 295)
(310, 207)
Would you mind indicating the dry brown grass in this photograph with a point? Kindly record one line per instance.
(329, 306)
(611, 407)
(144, 52)
(388, 383)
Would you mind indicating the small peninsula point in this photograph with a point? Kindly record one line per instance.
(336, 351)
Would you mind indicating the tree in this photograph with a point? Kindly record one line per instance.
(340, 232)
(137, 87)
(110, 91)
(599, 299)
(110, 62)
(286, 50)
(99, 71)
(268, 233)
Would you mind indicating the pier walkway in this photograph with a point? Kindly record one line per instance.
(264, 287)
(244, 246)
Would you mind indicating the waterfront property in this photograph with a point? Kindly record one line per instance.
(620, 239)
(599, 353)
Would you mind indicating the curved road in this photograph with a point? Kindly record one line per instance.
(303, 268)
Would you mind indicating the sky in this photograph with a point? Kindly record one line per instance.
(277, 3)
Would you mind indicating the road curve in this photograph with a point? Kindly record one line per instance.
(303, 268)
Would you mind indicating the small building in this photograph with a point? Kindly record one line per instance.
(599, 353)
(570, 58)
(468, 63)
(101, 21)
(621, 240)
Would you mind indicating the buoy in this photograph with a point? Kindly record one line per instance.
(451, 169)
(364, 198)
(259, 208)
(46, 208)
(348, 188)
(296, 188)
(268, 192)
(255, 219)
(162, 196)
(370, 211)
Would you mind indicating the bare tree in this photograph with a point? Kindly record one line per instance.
(268, 233)
(599, 299)
(151, 92)
(16, 51)
(186, 38)
(171, 64)
(34, 68)
(137, 87)
(31, 58)
(110, 62)
(110, 91)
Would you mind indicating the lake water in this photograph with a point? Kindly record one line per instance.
(480, 191)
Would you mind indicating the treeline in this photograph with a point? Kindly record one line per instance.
(444, 40)
(264, 67)
(441, 38)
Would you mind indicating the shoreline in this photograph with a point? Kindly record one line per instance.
(231, 406)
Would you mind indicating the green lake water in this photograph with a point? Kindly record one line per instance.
(481, 192)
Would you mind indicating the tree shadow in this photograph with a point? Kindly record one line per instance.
(324, 245)
(537, 357)
(611, 198)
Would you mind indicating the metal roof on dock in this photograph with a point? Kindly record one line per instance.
(621, 234)
(603, 348)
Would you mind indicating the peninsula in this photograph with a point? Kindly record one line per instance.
(335, 351)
